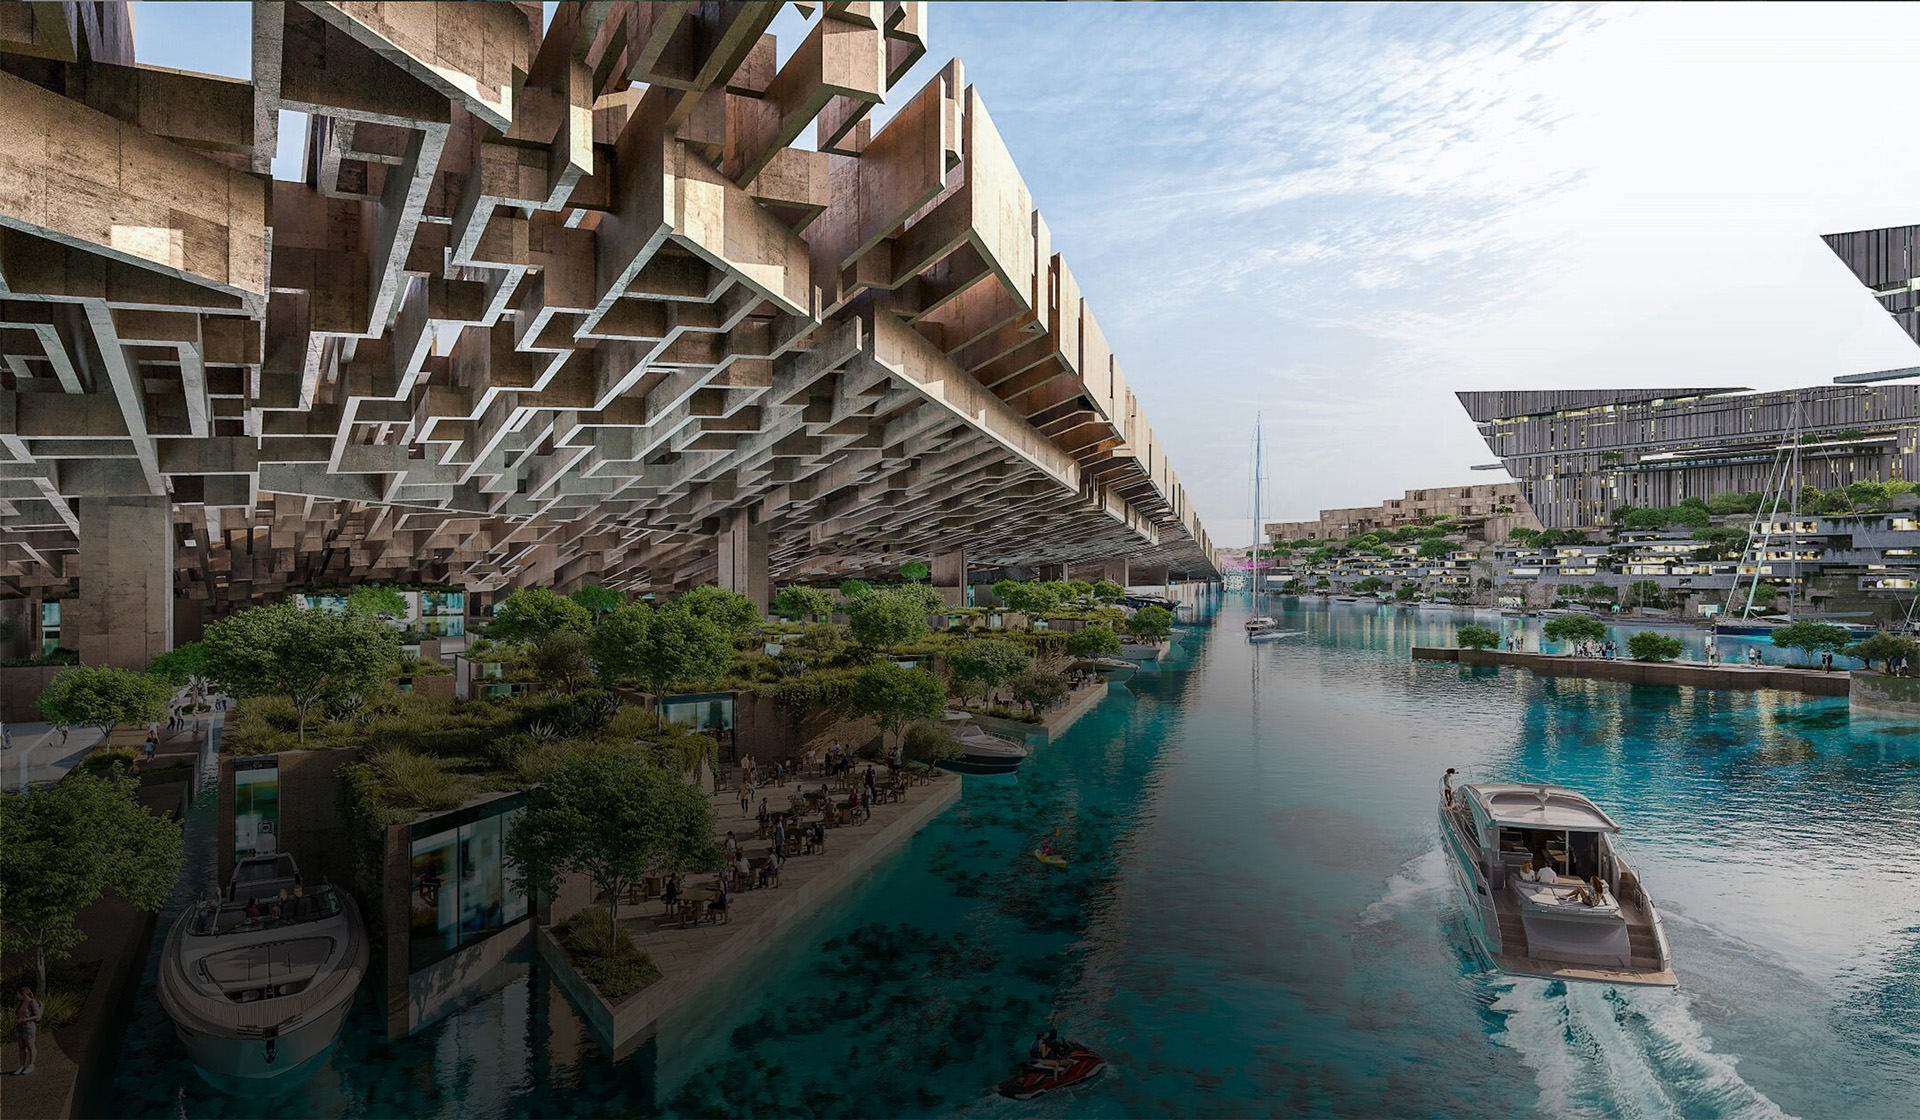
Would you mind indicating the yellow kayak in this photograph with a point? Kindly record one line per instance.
(1049, 860)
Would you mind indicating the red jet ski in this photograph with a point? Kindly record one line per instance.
(1034, 1080)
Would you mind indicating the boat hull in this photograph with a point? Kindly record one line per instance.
(976, 765)
(240, 1066)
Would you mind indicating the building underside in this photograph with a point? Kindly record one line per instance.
(549, 307)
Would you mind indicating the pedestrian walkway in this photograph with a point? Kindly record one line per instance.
(41, 754)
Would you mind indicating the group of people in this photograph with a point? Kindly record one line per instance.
(286, 907)
(1592, 892)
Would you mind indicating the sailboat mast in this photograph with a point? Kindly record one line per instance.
(1258, 582)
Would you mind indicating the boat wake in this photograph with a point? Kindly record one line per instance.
(1418, 881)
(1605, 1052)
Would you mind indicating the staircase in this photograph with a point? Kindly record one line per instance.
(1513, 935)
(1644, 951)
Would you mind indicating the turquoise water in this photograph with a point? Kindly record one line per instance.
(1257, 921)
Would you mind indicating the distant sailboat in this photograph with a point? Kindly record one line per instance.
(1260, 627)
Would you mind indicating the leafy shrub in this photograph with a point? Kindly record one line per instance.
(592, 933)
(100, 761)
(617, 979)
(929, 742)
(1649, 646)
(1477, 637)
(507, 751)
(418, 781)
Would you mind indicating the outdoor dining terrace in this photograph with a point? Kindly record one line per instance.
(693, 946)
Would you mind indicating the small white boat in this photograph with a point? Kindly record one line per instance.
(985, 753)
(1547, 891)
(259, 996)
(1261, 622)
(1273, 635)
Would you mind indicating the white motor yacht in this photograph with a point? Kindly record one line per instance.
(1548, 893)
(259, 981)
(1260, 622)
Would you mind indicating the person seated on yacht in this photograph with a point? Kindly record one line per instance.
(1595, 892)
(253, 910)
(1527, 873)
(1546, 875)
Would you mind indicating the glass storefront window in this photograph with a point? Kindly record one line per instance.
(461, 889)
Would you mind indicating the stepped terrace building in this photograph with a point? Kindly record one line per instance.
(547, 305)
(1493, 508)
(1579, 454)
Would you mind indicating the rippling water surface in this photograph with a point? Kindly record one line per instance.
(1257, 921)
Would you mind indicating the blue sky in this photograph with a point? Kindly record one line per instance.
(1339, 215)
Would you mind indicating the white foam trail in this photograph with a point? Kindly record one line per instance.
(1599, 1052)
(1419, 878)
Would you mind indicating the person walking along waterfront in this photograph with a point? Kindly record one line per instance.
(26, 1027)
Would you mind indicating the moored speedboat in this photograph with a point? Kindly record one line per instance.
(1113, 670)
(982, 753)
(259, 981)
(1548, 893)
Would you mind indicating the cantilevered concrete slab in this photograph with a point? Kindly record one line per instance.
(552, 305)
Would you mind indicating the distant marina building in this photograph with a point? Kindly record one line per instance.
(1579, 454)
(1489, 510)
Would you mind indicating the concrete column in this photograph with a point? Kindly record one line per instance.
(742, 547)
(126, 582)
(23, 613)
(950, 576)
(1115, 570)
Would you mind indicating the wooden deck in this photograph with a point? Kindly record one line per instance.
(1644, 950)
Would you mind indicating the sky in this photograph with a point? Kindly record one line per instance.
(1337, 216)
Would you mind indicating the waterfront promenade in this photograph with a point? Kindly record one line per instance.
(694, 959)
(1813, 682)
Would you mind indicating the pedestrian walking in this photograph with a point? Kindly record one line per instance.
(26, 1025)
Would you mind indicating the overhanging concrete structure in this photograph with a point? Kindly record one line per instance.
(549, 307)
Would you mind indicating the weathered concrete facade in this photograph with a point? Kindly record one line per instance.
(549, 306)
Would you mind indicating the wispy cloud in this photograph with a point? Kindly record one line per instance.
(1339, 214)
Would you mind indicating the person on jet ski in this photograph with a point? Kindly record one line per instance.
(1044, 1052)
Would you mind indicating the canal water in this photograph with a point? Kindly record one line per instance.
(1257, 921)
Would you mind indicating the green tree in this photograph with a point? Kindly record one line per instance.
(797, 603)
(1108, 591)
(1765, 595)
(618, 642)
(560, 659)
(611, 815)
(1477, 637)
(1885, 648)
(377, 601)
(915, 571)
(180, 664)
(730, 610)
(987, 662)
(1093, 641)
(883, 618)
(599, 599)
(1038, 689)
(309, 657)
(1078, 590)
(1576, 628)
(1811, 638)
(532, 613)
(1649, 646)
(1435, 546)
(928, 743)
(1032, 598)
(1369, 585)
(103, 697)
(661, 648)
(1550, 538)
(854, 588)
(1151, 623)
(1522, 535)
(894, 696)
(64, 846)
